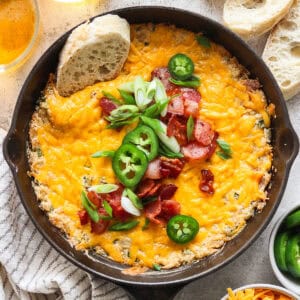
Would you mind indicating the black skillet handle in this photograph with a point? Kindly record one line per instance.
(153, 293)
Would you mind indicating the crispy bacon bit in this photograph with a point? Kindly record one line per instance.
(107, 106)
(167, 191)
(195, 151)
(203, 132)
(163, 74)
(83, 217)
(213, 145)
(177, 128)
(114, 200)
(191, 99)
(170, 167)
(176, 105)
(152, 210)
(169, 208)
(145, 187)
(95, 198)
(206, 184)
(153, 170)
(99, 227)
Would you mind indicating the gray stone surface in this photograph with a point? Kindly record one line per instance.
(253, 265)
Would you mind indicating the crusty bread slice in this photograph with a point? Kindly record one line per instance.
(251, 18)
(282, 52)
(94, 52)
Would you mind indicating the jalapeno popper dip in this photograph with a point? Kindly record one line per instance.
(163, 164)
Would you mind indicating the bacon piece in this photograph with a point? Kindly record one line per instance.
(195, 151)
(152, 210)
(177, 128)
(191, 99)
(153, 170)
(213, 145)
(101, 225)
(164, 75)
(94, 198)
(114, 200)
(176, 105)
(169, 208)
(83, 216)
(206, 184)
(203, 132)
(167, 191)
(171, 167)
(107, 106)
(145, 187)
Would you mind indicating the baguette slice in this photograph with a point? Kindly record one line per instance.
(94, 52)
(251, 18)
(282, 52)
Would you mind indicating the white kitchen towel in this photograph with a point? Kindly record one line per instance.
(29, 267)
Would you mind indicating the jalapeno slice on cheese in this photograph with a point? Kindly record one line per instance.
(182, 229)
(181, 66)
(144, 138)
(129, 164)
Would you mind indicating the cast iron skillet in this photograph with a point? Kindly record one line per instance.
(284, 141)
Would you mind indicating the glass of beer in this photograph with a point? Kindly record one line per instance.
(19, 24)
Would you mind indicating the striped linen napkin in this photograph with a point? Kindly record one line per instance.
(29, 267)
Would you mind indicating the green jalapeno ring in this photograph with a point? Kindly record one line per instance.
(293, 220)
(182, 229)
(144, 138)
(293, 255)
(280, 250)
(181, 66)
(129, 165)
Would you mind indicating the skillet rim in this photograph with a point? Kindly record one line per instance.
(257, 233)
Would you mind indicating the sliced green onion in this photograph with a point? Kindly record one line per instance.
(155, 109)
(151, 90)
(156, 267)
(165, 151)
(127, 87)
(193, 82)
(134, 198)
(105, 153)
(225, 147)
(203, 41)
(123, 226)
(104, 188)
(223, 155)
(161, 96)
(128, 98)
(128, 206)
(89, 207)
(190, 127)
(153, 123)
(107, 208)
(111, 97)
(123, 112)
(140, 92)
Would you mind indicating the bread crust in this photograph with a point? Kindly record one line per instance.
(282, 52)
(250, 18)
(94, 52)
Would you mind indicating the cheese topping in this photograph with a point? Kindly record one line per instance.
(74, 129)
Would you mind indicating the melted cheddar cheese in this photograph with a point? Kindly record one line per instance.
(68, 130)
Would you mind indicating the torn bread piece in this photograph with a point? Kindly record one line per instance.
(282, 52)
(94, 52)
(251, 18)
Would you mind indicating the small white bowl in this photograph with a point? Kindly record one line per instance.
(285, 280)
(272, 287)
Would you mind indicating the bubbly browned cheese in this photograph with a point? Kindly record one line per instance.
(64, 132)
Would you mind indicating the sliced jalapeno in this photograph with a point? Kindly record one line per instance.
(129, 164)
(280, 250)
(293, 255)
(293, 220)
(144, 138)
(182, 229)
(181, 66)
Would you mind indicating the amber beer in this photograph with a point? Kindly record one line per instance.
(17, 24)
